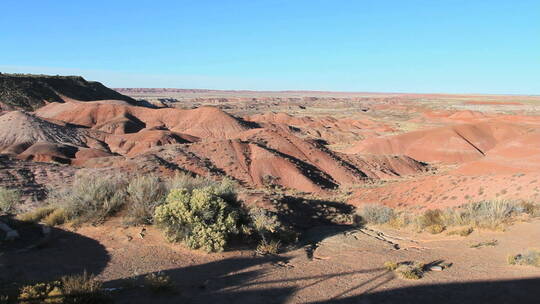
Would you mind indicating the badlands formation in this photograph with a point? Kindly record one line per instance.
(311, 152)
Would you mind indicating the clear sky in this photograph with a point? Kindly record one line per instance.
(452, 46)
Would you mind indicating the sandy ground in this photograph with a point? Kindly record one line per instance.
(333, 264)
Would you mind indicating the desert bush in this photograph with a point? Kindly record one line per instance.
(489, 214)
(144, 194)
(200, 218)
(158, 282)
(36, 215)
(376, 214)
(531, 257)
(8, 199)
(91, 198)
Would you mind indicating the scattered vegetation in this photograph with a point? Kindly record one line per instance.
(158, 282)
(83, 288)
(495, 214)
(9, 198)
(531, 257)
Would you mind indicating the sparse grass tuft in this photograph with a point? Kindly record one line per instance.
(435, 229)
(391, 266)
(412, 271)
(491, 243)
(74, 289)
(35, 215)
(268, 247)
(82, 288)
(55, 218)
(158, 282)
(531, 257)
(462, 232)
(9, 198)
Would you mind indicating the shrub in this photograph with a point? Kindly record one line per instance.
(8, 199)
(144, 193)
(91, 198)
(376, 214)
(531, 257)
(490, 214)
(201, 219)
(41, 293)
(158, 282)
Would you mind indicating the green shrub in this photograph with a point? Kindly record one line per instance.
(91, 198)
(376, 214)
(144, 193)
(200, 219)
(8, 199)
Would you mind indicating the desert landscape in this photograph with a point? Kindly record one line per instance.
(148, 195)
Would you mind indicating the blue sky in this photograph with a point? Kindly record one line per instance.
(474, 46)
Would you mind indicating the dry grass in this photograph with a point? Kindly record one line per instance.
(144, 193)
(375, 214)
(55, 218)
(268, 247)
(91, 198)
(462, 232)
(491, 243)
(36, 215)
(74, 289)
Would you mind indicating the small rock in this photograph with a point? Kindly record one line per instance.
(436, 268)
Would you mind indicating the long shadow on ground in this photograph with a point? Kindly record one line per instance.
(523, 291)
(36, 258)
